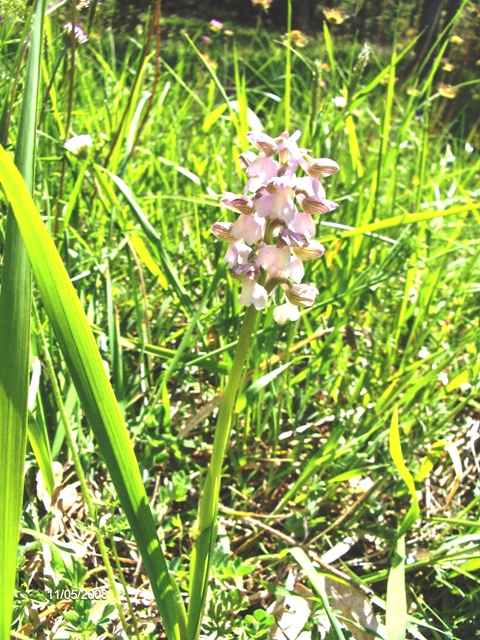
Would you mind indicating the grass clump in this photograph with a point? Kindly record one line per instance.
(394, 332)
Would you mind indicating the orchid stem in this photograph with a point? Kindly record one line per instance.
(207, 517)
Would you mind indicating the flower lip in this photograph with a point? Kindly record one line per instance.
(253, 293)
(249, 227)
(285, 312)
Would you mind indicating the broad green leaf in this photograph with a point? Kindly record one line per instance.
(207, 513)
(85, 365)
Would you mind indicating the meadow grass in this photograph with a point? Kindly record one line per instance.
(346, 418)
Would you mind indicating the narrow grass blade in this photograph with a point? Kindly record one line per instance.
(219, 86)
(397, 457)
(354, 146)
(86, 368)
(15, 307)
(168, 269)
(402, 220)
(396, 618)
(38, 434)
(329, 46)
(306, 564)
(126, 123)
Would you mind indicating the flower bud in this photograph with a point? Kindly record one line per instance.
(315, 206)
(302, 295)
(321, 167)
(313, 250)
(240, 204)
(222, 231)
(263, 142)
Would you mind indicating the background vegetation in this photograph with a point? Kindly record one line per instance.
(395, 327)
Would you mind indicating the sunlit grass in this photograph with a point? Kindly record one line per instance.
(395, 324)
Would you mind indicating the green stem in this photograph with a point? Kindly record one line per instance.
(222, 432)
(207, 518)
(288, 67)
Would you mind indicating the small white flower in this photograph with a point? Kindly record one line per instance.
(423, 353)
(79, 145)
(443, 378)
(339, 102)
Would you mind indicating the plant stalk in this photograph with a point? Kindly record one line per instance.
(208, 509)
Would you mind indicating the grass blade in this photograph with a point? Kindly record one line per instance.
(401, 220)
(86, 368)
(15, 306)
(304, 561)
(396, 617)
(397, 457)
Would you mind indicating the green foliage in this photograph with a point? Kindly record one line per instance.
(395, 324)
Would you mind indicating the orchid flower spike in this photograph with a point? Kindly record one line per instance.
(273, 233)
